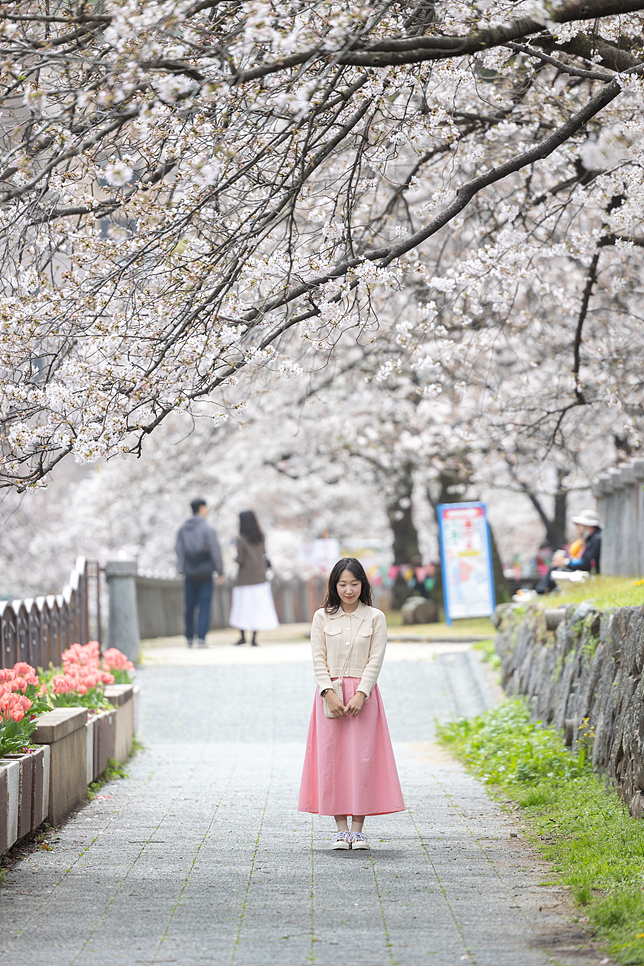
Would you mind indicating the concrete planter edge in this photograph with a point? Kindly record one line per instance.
(33, 789)
(71, 752)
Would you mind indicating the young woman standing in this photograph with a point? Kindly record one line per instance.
(349, 767)
(252, 607)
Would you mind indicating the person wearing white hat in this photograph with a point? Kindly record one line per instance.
(589, 529)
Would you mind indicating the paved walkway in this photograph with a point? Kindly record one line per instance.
(199, 857)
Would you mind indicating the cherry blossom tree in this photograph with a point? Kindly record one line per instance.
(191, 187)
(337, 450)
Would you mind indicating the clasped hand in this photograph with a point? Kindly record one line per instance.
(353, 707)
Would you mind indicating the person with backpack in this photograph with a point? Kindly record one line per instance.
(199, 557)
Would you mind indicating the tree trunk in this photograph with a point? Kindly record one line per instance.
(557, 530)
(556, 525)
(401, 521)
(404, 533)
(502, 592)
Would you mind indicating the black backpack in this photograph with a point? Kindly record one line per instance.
(198, 564)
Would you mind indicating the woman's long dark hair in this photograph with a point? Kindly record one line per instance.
(332, 602)
(249, 527)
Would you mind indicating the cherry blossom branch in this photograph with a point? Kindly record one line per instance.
(399, 51)
(385, 256)
(600, 75)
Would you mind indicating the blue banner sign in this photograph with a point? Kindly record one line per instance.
(466, 560)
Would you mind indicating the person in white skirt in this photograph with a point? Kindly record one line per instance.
(252, 608)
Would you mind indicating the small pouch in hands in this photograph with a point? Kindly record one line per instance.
(336, 687)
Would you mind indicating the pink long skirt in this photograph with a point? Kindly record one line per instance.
(349, 767)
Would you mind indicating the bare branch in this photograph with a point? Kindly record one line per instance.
(591, 278)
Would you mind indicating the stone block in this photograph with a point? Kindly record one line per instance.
(631, 632)
(582, 611)
(89, 751)
(123, 620)
(636, 805)
(122, 697)
(25, 791)
(589, 686)
(615, 477)
(63, 730)
(604, 484)
(136, 708)
(40, 797)
(605, 715)
(554, 616)
(33, 789)
(501, 611)
(418, 610)
(9, 798)
(104, 740)
(628, 473)
(118, 694)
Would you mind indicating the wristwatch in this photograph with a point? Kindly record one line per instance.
(322, 693)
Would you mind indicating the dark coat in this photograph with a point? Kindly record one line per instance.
(590, 557)
(198, 550)
(252, 562)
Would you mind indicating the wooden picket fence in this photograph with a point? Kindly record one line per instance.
(38, 629)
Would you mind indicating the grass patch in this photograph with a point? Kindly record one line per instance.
(137, 747)
(604, 591)
(593, 843)
(487, 651)
(459, 628)
(113, 771)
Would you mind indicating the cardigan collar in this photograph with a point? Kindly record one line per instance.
(360, 611)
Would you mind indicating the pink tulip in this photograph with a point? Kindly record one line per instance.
(62, 684)
(113, 658)
(26, 672)
(14, 706)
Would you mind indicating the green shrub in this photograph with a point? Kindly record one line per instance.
(15, 735)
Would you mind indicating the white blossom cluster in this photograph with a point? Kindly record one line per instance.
(195, 191)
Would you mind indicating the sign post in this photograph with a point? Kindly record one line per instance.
(466, 560)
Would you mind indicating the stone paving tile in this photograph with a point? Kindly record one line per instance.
(199, 857)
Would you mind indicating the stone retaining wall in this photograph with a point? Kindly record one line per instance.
(72, 752)
(581, 669)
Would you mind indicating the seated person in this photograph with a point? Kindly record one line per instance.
(588, 530)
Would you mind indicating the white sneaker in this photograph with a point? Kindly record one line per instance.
(359, 841)
(341, 840)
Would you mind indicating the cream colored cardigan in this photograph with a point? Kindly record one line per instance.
(332, 636)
